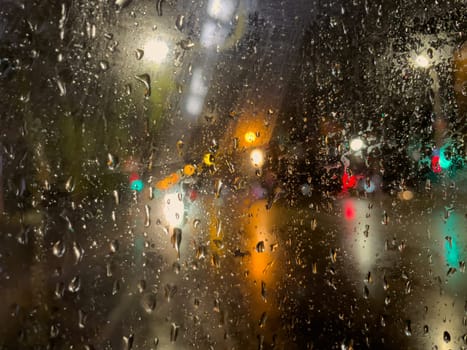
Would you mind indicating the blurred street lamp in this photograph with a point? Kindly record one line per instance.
(422, 61)
(257, 157)
(432, 60)
(156, 50)
(356, 144)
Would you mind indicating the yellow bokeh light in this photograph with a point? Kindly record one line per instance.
(250, 137)
(208, 159)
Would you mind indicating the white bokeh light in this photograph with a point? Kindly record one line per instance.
(222, 10)
(212, 34)
(257, 157)
(356, 144)
(194, 105)
(422, 61)
(156, 50)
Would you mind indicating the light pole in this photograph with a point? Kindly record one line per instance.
(428, 59)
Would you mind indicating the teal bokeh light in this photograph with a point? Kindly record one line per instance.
(444, 163)
(452, 252)
(137, 185)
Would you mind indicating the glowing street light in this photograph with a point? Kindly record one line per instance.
(356, 144)
(257, 158)
(422, 61)
(156, 50)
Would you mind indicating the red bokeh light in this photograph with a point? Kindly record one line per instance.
(349, 210)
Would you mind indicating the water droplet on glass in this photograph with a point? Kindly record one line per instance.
(147, 218)
(383, 321)
(177, 239)
(70, 184)
(215, 260)
(146, 81)
(174, 332)
(218, 187)
(122, 3)
(263, 290)
(116, 197)
(169, 291)
(262, 320)
(23, 236)
(446, 337)
(59, 248)
(201, 252)
(156, 341)
(451, 271)
(385, 220)
(366, 292)
(385, 283)
(54, 330)
(159, 7)
(59, 290)
(78, 252)
(139, 53)
(314, 267)
(408, 287)
(176, 267)
(61, 87)
(333, 255)
(260, 247)
(108, 268)
(115, 287)
(103, 65)
(368, 278)
(74, 285)
(464, 88)
(81, 319)
(180, 22)
(449, 239)
(187, 44)
(114, 246)
(428, 185)
(425, 329)
(128, 342)
(112, 161)
(149, 303)
(260, 338)
(462, 266)
(367, 230)
(218, 243)
(62, 22)
(408, 328)
(196, 223)
(141, 286)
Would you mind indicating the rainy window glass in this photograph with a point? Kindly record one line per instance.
(233, 174)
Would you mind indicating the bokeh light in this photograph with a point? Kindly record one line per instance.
(356, 144)
(250, 137)
(156, 50)
(257, 157)
(422, 61)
